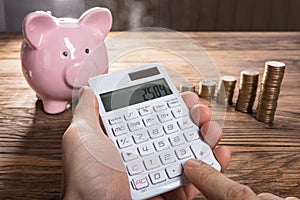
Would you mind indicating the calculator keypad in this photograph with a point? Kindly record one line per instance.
(154, 142)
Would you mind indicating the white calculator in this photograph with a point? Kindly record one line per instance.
(149, 123)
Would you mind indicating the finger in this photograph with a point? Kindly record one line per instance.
(175, 194)
(223, 155)
(268, 196)
(215, 185)
(157, 198)
(200, 114)
(211, 133)
(84, 120)
(188, 191)
(86, 114)
(190, 99)
(86, 133)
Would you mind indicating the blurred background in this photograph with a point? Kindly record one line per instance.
(183, 15)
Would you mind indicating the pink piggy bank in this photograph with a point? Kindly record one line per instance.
(54, 50)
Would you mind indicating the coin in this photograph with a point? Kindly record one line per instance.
(225, 91)
(265, 118)
(247, 90)
(207, 89)
(187, 86)
(269, 91)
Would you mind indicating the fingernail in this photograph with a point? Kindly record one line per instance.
(81, 91)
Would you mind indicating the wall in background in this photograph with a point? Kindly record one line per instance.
(2, 21)
(183, 15)
(204, 15)
(12, 12)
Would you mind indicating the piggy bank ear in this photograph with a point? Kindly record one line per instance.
(97, 18)
(35, 26)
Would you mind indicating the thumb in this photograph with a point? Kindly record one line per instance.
(86, 114)
(213, 184)
(91, 136)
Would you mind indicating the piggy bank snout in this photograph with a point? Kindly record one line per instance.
(72, 71)
(78, 74)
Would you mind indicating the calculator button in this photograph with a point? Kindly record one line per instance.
(200, 149)
(129, 155)
(135, 124)
(183, 152)
(167, 157)
(140, 136)
(145, 111)
(124, 142)
(173, 103)
(157, 177)
(176, 140)
(178, 113)
(161, 144)
(191, 135)
(135, 168)
(130, 115)
(115, 120)
(146, 149)
(185, 123)
(140, 182)
(151, 162)
(150, 121)
(160, 107)
(174, 170)
(119, 129)
(155, 132)
(170, 128)
(164, 116)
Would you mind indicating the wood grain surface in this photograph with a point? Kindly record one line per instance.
(265, 157)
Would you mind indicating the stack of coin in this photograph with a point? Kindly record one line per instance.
(269, 91)
(187, 86)
(207, 89)
(247, 91)
(226, 90)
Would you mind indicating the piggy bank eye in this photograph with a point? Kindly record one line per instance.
(87, 51)
(65, 54)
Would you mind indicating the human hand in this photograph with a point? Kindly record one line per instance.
(214, 185)
(91, 173)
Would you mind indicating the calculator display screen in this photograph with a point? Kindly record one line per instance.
(135, 94)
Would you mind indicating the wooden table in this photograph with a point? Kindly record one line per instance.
(264, 157)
